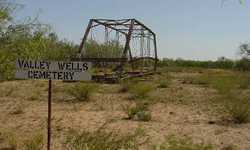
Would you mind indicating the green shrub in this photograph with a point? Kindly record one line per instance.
(82, 91)
(163, 84)
(35, 143)
(173, 143)
(141, 90)
(224, 84)
(239, 109)
(139, 112)
(100, 140)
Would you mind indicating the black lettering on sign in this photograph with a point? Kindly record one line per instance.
(29, 64)
(42, 75)
(48, 75)
(85, 67)
(60, 76)
(73, 66)
(67, 76)
(54, 74)
(20, 63)
(69, 66)
(26, 65)
(71, 75)
(36, 74)
(30, 75)
(61, 65)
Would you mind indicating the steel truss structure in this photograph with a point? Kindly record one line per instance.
(130, 29)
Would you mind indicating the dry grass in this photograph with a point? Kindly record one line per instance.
(35, 143)
(173, 143)
(100, 140)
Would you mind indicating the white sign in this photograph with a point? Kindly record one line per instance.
(36, 69)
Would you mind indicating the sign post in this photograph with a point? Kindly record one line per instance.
(49, 114)
(52, 70)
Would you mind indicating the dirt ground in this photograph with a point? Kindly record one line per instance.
(181, 109)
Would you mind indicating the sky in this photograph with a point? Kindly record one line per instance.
(188, 29)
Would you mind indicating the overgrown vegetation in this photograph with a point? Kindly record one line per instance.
(29, 39)
(32, 39)
(222, 63)
(242, 64)
(230, 87)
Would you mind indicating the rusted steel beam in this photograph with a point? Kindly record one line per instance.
(106, 25)
(128, 38)
(85, 36)
(126, 29)
(156, 57)
(117, 24)
(113, 19)
(130, 53)
(142, 58)
(138, 22)
(93, 26)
